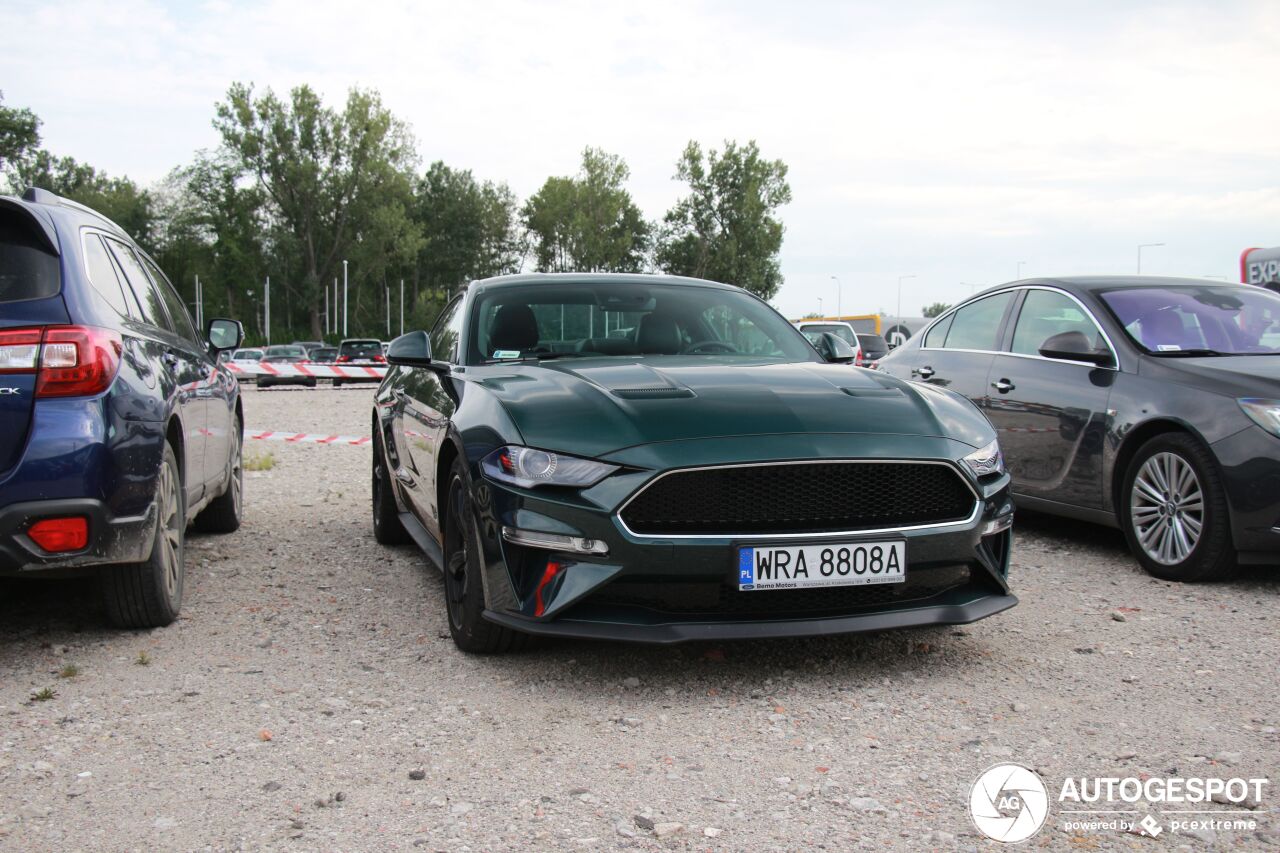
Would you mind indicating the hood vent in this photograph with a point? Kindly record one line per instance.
(873, 392)
(652, 392)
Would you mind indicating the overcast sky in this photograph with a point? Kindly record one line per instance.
(947, 141)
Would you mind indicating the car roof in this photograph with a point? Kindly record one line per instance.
(360, 341)
(1107, 282)
(606, 278)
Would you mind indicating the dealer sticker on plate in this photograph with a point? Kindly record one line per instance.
(834, 564)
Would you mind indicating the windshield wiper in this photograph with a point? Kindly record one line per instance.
(1189, 353)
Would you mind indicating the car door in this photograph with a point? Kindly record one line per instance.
(423, 409)
(1051, 414)
(957, 351)
(179, 367)
(214, 390)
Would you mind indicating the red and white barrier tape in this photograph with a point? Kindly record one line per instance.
(306, 437)
(355, 371)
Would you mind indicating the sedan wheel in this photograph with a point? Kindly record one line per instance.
(463, 588)
(1175, 512)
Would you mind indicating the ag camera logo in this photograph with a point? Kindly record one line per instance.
(1009, 803)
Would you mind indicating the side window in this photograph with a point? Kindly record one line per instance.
(938, 334)
(1045, 314)
(447, 332)
(102, 274)
(976, 325)
(148, 297)
(177, 311)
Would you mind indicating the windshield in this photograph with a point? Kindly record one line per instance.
(286, 349)
(27, 270)
(593, 319)
(1216, 319)
(813, 331)
(360, 349)
(247, 355)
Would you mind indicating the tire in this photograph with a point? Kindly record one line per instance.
(224, 514)
(463, 587)
(149, 594)
(1173, 510)
(311, 384)
(337, 383)
(387, 528)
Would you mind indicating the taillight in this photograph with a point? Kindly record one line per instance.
(380, 359)
(19, 350)
(341, 359)
(77, 361)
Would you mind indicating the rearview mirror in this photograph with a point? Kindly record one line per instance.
(412, 349)
(1074, 346)
(835, 349)
(224, 334)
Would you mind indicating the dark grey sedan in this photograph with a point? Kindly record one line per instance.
(1151, 404)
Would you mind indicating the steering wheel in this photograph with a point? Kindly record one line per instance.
(709, 347)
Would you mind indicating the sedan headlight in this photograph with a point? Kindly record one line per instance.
(986, 461)
(1265, 413)
(526, 467)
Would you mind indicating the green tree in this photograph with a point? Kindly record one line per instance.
(470, 229)
(19, 133)
(588, 222)
(726, 228)
(931, 311)
(118, 199)
(336, 184)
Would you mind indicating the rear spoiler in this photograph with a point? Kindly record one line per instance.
(38, 218)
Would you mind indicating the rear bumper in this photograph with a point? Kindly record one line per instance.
(969, 606)
(111, 539)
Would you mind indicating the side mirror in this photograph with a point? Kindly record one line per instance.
(412, 349)
(1074, 346)
(835, 349)
(224, 334)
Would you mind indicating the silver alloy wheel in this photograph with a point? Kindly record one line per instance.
(1166, 506)
(171, 539)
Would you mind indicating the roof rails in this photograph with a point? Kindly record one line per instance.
(36, 195)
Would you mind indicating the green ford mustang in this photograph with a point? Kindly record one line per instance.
(664, 459)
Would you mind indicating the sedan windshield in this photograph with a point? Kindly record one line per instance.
(1200, 319)
(605, 319)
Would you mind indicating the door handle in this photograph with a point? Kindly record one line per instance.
(923, 372)
(1004, 386)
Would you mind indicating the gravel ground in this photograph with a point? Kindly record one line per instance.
(309, 697)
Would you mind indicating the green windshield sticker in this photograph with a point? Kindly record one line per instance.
(506, 353)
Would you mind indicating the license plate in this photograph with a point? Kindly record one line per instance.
(833, 564)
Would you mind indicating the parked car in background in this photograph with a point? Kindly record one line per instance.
(118, 427)
(245, 358)
(1151, 404)
(324, 355)
(873, 347)
(366, 352)
(284, 354)
(309, 346)
(814, 329)
(714, 477)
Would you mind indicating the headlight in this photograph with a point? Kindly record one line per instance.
(989, 460)
(1265, 413)
(526, 467)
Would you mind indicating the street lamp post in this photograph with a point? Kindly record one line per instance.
(344, 299)
(820, 307)
(1021, 264)
(839, 297)
(1142, 246)
(901, 278)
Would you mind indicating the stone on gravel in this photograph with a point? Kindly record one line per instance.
(667, 828)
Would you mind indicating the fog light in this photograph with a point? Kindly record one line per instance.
(58, 535)
(554, 541)
(999, 524)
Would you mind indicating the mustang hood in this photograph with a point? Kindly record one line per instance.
(595, 407)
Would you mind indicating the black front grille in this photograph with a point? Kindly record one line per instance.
(811, 497)
(709, 597)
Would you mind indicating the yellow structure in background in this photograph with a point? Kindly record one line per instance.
(865, 323)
